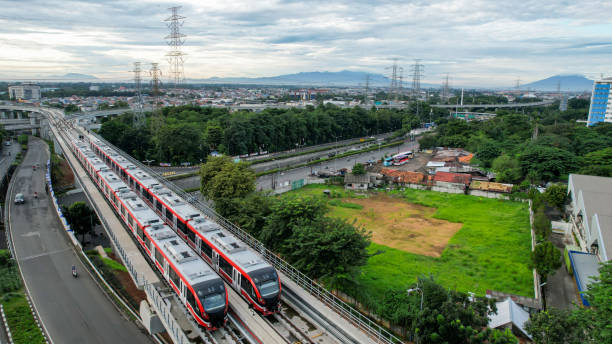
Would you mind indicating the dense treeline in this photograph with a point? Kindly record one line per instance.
(189, 133)
(539, 146)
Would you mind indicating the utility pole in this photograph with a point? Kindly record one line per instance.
(400, 83)
(175, 41)
(139, 119)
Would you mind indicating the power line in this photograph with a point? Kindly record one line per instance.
(175, 41)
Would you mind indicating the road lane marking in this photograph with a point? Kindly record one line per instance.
(43, 254)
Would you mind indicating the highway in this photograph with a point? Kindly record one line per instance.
(72, 310)
(265, 182)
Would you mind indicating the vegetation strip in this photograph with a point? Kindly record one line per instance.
(339, 156)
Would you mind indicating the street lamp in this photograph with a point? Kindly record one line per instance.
(417, 289)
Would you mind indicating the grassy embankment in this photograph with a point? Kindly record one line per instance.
(16, 308)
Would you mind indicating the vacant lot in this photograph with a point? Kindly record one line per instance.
(489, 251)
(401, 225)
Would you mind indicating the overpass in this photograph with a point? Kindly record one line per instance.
(493, 106)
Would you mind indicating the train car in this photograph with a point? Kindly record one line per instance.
(201, 290)
(252, 277)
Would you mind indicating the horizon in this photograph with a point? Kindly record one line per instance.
(486, 45)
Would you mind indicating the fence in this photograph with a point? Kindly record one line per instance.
(379, 333)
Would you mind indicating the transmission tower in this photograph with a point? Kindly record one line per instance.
(393, 86)
(175, 41)
(518, 84)
(445, 90)
(417, 74)
(400, 83)
(367, 89)
(139, 119)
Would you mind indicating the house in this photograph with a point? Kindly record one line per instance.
(356, 181)
(510, 315)
(591, 214)
(452, 178)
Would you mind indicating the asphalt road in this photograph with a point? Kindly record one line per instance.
(265, 182)
(73, 310)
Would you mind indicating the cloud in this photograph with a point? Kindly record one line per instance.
(478, 42)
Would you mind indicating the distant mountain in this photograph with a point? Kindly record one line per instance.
(573, 83)
(342, 78)
(74, 77)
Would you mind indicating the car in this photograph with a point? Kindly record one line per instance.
(7, 143)
(19, 199)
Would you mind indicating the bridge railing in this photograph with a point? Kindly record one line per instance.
(377, 332)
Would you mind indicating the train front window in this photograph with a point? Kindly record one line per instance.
(211, 295)
(269, 287)
(266, 280)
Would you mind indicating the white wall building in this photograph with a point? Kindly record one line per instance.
(25, 92)
(591, 213)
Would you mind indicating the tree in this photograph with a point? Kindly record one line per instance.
(286, 214)
(428, 141)
(251, 212)
(81, 218)
(327, 248)
(541, 224)
(555, 326)
(599, 295)
(235, 180)
(547, 163)
(210, 169)
(358, 169)
(556, 195)
(546, 258)
(507, 169)
(487, 153)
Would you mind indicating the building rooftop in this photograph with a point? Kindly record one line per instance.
(509, 312)
(449, 177)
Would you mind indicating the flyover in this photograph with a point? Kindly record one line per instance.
(493, 106)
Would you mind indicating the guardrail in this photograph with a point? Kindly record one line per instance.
(370, 327)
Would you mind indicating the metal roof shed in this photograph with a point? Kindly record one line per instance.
(585, 267)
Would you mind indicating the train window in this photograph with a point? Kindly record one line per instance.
(191, 300)
(147, 242)
(207, 250)
(182, 226)
(175, 278)
(123, 211)
(225, 266)
(247, 286)
(159, 257)
(191, 236)
(131, 221)
(140, 232)
(158, 205)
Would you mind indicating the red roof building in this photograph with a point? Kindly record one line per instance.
(448, 177)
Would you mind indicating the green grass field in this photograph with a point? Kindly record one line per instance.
(490, 251)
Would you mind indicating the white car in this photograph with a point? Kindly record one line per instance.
(19, 199)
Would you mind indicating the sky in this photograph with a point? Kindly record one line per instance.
(478, 43)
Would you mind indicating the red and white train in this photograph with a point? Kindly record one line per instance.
(242, 268)
(198, 287)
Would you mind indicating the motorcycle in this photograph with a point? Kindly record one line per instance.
(74, 272)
